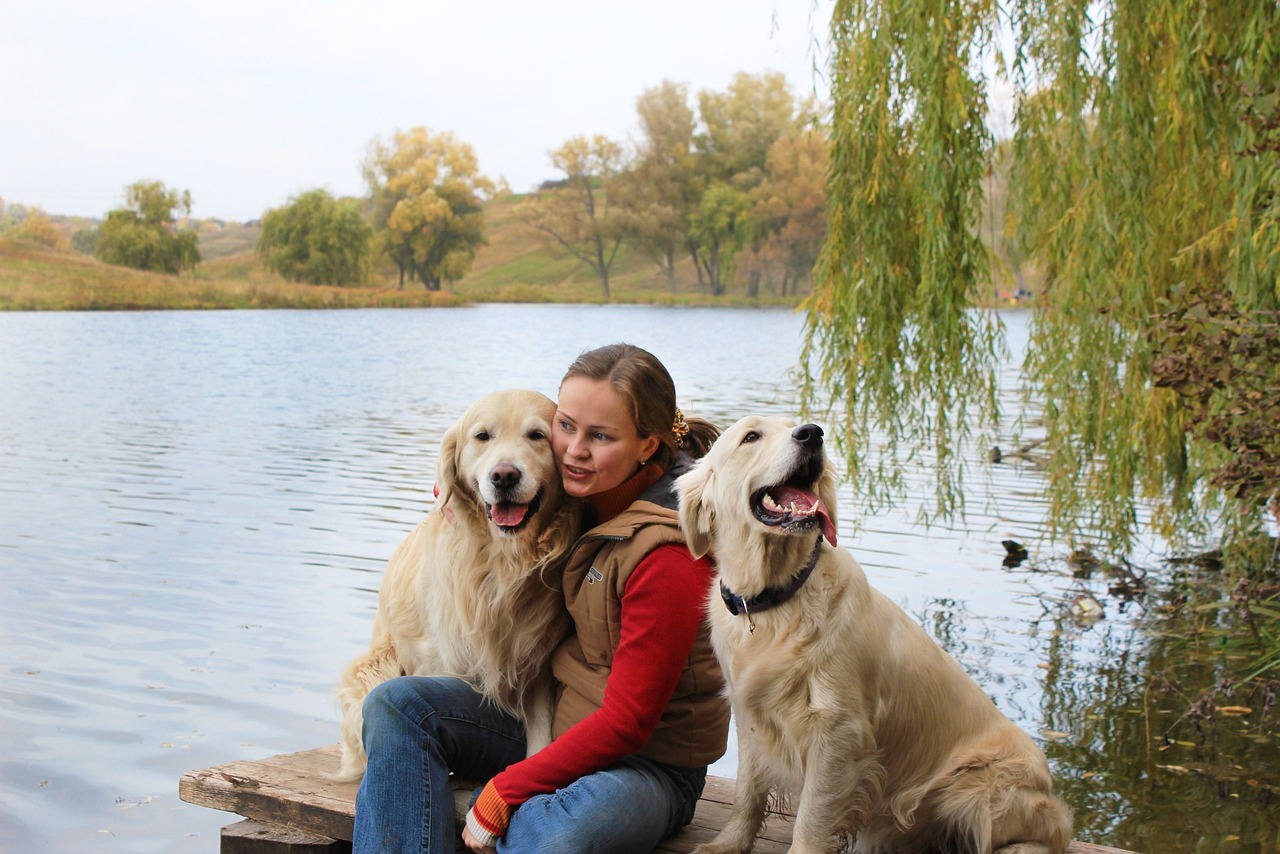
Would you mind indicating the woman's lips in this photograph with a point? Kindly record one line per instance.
(576, 473)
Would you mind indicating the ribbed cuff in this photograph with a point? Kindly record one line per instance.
(489, 817)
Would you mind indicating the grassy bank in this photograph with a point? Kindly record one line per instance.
(33, 278)
(515, 266)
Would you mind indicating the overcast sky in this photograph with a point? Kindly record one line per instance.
(248, 103)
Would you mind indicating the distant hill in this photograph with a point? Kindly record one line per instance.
(516, 266)
(218, 239)
(36, 278)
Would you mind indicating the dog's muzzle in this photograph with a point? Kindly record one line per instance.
(510, 517)
(793, 505)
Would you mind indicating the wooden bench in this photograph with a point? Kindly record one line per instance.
(291, 804)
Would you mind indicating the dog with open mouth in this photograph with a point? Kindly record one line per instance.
(842, 703)
(474, 591)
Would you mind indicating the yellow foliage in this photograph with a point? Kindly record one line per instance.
(39, 228)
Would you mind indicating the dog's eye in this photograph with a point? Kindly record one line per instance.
(536, 435)
(482, 436)
(752, 436)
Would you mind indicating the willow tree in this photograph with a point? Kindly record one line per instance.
(318, 239)
(1144, 179)
(145, 234)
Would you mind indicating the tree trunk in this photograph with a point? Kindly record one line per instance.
(602, 266)
(697, 266)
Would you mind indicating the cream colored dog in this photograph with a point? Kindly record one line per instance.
(474, 591)
(840, 700)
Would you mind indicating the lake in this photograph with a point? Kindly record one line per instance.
(195, 509)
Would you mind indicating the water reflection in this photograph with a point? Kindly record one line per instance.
(1138, 764)
(195, 510)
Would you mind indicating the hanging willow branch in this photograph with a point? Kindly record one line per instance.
(890, 331)
(1146, 171)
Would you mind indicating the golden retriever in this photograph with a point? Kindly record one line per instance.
(841, 701)
(474, 591)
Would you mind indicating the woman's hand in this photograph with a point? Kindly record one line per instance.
(471, 843)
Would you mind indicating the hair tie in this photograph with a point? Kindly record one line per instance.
(679, 428)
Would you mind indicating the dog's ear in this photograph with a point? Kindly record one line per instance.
(827, 486)
(447, 466)
(695, 516)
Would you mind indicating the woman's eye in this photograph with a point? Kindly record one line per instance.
(752, 436)
(482, 436)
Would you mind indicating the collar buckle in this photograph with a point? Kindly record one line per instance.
(770, 597)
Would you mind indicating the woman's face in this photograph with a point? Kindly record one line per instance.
(594, 438)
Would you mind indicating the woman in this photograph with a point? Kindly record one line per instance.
(639, 713)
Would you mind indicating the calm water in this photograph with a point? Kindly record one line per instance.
(195, 509)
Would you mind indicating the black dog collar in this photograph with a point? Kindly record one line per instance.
(772, 596)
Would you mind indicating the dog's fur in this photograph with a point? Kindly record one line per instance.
(465, 596)
(841, 701)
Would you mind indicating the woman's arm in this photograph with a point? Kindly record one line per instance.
(662, 609)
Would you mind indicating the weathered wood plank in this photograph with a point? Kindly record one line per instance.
(256, 837)
(297, 790)
(293, 789)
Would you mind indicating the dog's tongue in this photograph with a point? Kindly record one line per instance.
(805, 503)
(508, 515)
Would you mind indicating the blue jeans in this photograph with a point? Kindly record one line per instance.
(418, 728)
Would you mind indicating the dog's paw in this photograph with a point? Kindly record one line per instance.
(720, 848)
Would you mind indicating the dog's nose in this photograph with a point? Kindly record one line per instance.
(504, 476)
(808, 436)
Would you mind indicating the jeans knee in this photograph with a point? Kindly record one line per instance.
(589, 815)
(388, 705)
(379, 701)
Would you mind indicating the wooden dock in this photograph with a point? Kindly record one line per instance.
(290, 804)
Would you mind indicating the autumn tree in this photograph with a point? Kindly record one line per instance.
(719, 227)
(739, 126)
(789, 209)
(742, 123)
(1145, 174)
(317, 239)
(38, 227)
(661, 189)
(145, 235)
(578, 215)
(426, 198)
(10, 214)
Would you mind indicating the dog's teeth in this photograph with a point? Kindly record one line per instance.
(769, 504)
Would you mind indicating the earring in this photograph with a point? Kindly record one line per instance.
(644, 461)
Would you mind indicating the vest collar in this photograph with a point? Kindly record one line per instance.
(773, 596)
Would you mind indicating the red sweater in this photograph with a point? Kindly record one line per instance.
(663, 606)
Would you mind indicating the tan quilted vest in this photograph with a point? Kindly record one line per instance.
(694, 728)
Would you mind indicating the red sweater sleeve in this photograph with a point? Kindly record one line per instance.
(662, 608)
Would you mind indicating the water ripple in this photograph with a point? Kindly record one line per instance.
(195, 509)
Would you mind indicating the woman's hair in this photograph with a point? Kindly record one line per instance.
(643, 382)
